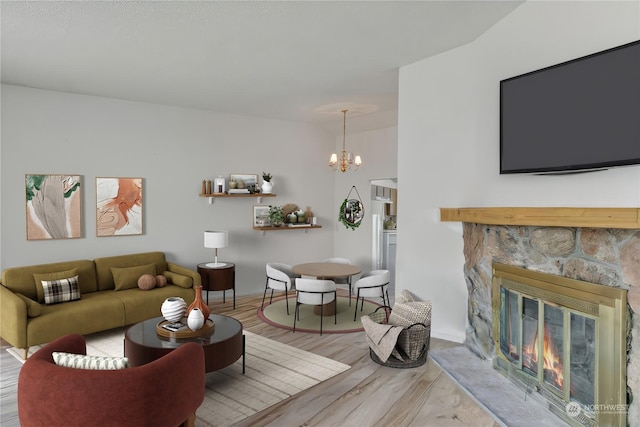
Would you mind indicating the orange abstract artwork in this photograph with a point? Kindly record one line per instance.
(119, 206)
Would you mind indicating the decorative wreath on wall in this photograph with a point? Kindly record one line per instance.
(351, 211)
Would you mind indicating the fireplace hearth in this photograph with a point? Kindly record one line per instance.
(564, 341)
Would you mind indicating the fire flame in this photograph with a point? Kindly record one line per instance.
(552, 364)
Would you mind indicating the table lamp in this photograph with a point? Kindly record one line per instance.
(216, 239)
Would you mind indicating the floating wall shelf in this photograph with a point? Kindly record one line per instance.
(285, 227)
(258, 196)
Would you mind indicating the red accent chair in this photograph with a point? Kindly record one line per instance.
(165, 392)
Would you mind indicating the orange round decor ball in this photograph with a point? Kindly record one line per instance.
(161, 281)
(146, 282)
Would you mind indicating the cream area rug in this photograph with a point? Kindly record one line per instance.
(275, 314)
(274, 372)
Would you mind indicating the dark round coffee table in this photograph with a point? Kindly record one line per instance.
(224, 346)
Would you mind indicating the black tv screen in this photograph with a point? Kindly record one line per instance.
(583, 114)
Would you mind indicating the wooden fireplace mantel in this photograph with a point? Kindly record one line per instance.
(551, 217)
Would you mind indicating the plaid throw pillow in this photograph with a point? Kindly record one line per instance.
(61, 290)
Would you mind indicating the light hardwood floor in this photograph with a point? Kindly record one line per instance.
(368, 394)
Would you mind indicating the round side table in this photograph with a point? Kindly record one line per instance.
(220, 277)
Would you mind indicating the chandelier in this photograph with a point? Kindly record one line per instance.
(347, 160)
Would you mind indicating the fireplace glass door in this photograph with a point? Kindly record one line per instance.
(564, 340)
(582, 359)
(535, 335)
(553, 359)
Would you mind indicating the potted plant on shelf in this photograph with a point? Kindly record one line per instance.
(267, 185)
(276, 215)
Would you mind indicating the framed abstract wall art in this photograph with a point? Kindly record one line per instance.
(54, 207)
(118, 206)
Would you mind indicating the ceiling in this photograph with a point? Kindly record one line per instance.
(290, 60)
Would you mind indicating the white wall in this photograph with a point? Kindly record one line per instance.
(448, 141)
(173, 150)
(379, 153)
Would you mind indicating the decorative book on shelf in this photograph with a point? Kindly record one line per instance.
(238, 191)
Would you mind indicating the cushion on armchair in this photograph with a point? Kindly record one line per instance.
(81, 361)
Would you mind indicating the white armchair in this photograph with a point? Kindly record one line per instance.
(280, 278)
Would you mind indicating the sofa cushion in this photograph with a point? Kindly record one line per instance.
(61, 290)
(21, 280)
(94, 312)
(40, 277)
(104, 276)
(34, 309)
(147, 282)
(127, 277)
(178, 279)
(139, 305)
(81, 361)
(161, 281)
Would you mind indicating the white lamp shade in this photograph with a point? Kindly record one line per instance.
(216, 239)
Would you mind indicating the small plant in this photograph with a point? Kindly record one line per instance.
(266, 176)
(276, 215)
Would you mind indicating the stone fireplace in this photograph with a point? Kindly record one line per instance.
(599, 246)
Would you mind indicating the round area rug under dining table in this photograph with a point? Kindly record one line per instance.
(275, 314)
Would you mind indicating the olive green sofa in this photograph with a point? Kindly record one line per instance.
(25, 322)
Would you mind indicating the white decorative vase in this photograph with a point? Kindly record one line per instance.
(195, 321)
(267, 187)
(173, 309)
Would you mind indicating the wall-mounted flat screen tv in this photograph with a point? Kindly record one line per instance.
(580, 115)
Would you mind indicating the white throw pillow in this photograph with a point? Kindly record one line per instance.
(81, 361)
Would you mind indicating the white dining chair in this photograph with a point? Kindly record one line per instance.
(372, 285)
(342, 280)
(315, 292)
(280, 278)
